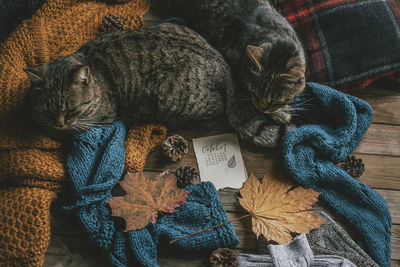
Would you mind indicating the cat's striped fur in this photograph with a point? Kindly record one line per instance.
(168, 74)
(265, 55)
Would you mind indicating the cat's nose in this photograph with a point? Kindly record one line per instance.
(60, 122)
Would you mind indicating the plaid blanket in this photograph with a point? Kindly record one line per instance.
(348, 43)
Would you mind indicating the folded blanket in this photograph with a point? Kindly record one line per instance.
(348, 43)
(336, 127)
(95, 164)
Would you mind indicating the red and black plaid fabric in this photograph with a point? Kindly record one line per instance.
(348, 43)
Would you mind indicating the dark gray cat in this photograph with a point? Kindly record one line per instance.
(265, 55)
(168, 74)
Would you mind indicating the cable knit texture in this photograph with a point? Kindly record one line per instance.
(96, 163)
(311, 151)
(331, 239)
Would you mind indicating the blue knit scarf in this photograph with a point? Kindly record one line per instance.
(95, 164)
(311, 151)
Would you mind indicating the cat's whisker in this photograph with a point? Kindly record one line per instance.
(81, 126)
(296, 109)
(306, 101)
(92, 121)
(74, 128)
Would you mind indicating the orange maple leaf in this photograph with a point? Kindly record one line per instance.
(145, 198)
(277, 211)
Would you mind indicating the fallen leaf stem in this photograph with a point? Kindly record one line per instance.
(211, 227)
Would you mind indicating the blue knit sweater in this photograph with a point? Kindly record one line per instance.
(95, 164)
(311, 151)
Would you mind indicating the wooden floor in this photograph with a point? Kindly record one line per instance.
(380, 151)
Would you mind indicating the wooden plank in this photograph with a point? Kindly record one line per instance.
(381, 172)
(381, 140)
(396, 242)
(384, 99)
(386, 108)
(72, 251)
(392, 198)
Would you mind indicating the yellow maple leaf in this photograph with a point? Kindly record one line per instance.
(145, 198)
(276, 212)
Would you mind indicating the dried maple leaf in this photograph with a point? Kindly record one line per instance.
(145, 198)
(275, 211)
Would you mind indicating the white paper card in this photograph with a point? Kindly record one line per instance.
(220, 160)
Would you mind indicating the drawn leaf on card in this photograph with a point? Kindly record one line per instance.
(232, 162)
(146, 198)
(278, 210)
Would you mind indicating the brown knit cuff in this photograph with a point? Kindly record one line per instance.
(24, 225)
(140, 141)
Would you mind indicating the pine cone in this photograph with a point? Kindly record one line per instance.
(111, 23)
(223, 257)
(175, 147)
(353, 166)
(186, 176)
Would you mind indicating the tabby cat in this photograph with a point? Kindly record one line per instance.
(168, 74)
(265, 55)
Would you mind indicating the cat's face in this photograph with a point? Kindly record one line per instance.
(64, 96)
(276, 76)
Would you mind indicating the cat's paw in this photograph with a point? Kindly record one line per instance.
(282, 115)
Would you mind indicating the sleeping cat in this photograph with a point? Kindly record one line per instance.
(168, 74)
(265, 55)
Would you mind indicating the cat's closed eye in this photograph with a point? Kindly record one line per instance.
(72, 113)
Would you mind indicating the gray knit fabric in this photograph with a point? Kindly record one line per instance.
(331, 239)
(296, 253)
(254, 260)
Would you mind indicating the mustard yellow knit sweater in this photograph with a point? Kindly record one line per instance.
(31, 164)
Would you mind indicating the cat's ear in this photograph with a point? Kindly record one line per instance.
(35, 74)
(256, 53)
(81, 75)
